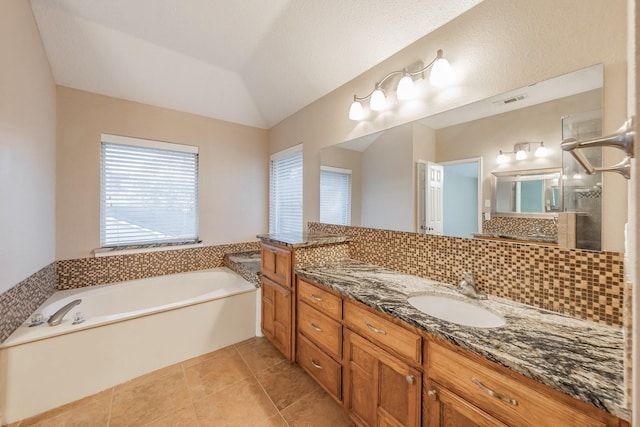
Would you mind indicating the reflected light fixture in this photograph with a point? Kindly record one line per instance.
(440, 75)
(521, 150)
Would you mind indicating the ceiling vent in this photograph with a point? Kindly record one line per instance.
(510, 100)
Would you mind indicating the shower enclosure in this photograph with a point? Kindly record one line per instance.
(582, 193)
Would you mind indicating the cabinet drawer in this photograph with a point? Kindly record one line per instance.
(373, 327)
(500, 395)
(320, 299)
(326, 371)
(321, 330)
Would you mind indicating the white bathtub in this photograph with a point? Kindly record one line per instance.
(131, 328)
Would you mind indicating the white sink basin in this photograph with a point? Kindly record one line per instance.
(457, 311)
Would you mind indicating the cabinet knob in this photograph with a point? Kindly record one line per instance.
(409, 379)
(433, 395)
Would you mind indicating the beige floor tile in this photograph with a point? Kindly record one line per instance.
(31, 421)
(260, 354)
(199, 359)
(93, 414)
(185, 417)
(275, 421)
(152, 376)
(317, 409)
(149, 401)
(286, 383)
(215, 373)
(243, 404)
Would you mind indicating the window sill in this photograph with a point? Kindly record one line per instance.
(103, 252)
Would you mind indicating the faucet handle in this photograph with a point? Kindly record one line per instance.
(468, 277)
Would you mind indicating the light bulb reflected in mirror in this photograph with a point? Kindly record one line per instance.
(502, 158)
(521, 155)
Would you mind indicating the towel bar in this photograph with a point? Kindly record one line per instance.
(623, 139)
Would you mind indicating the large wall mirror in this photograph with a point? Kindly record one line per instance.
(435, 175)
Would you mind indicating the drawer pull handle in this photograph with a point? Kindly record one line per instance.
(374, 329)
(315, 364)
(409, 379)
(314, 327)
(493, 393)
(433, 395)
(315, 298)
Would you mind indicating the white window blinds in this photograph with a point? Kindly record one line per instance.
(285, 192)
(335, 196)
(149, 192)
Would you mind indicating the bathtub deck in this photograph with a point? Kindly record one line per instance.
(246, 264)
(248, 383)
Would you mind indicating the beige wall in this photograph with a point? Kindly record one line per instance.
(27, 147)
(233, 168)
(495, 47)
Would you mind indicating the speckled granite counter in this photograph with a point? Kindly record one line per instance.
(551, 240)
(246, 264)
(580, 358)
(302, 240)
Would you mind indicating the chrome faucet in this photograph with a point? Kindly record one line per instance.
(467, 287)
(56, 317)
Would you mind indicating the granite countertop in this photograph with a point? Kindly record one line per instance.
(246, 264)
(580, 358)
(301, 240)
(526, 237)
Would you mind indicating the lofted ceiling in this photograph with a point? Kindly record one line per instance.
(253, 62)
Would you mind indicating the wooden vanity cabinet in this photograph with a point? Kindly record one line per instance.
(319, 341)
(276, 263)
(465, 389)
(379, 389)
(278, 298)
(277, 316)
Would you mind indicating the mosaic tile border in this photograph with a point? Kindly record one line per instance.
(81, 272)
(307, 256)
(582, 284)
(514, 226)
(19, 302)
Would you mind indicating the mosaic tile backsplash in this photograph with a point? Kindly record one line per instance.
(19, 302)
(582, 284)
(514, 226)
(316, 255)
(78, 273)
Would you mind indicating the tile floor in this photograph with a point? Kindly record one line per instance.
(246, 384)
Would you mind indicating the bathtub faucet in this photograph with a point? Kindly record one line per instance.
(56, 317)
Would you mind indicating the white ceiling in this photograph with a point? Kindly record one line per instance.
(253, 62)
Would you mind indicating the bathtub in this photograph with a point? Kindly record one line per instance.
(130, 328)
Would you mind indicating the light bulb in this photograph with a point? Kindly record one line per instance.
(541, 151)
(406, 88)
(502, 158)
(356, 112)
(378, 101)
(521, 154)
(440, 71)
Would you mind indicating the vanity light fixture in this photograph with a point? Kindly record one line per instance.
(521, 150)
(440, 76)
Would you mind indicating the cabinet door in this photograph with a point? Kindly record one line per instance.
(444, 408)
(275, 263)
(380, 390)
(276, 315)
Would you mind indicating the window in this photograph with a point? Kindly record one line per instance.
(335, 195)
(148, 192)
(285, 191)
